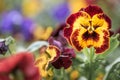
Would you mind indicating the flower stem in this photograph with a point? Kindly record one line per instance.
(91, 67)
(62, 73)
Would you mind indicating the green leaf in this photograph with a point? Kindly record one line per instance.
(114, 43)
(37, 45)
(113, 71)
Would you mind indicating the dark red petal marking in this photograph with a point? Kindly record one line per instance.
(74, 40)
(67, 33)
(69, 52)
(93, 36)
(62, 62)
(92, 10)
(72, 18)
(107, 19)
(105, 45)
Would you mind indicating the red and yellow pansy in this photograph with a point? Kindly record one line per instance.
(89, 27)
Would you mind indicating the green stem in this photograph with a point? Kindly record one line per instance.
(91, 67)
(62, 73)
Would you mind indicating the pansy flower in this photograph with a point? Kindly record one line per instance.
(55, 56)
(18, 66)
(45, 32)
(31, 8)
(74, 75)
(89, 27)
(65, 57)
(60, 12)
(14, 23)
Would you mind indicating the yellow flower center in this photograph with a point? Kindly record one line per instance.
(90, 28)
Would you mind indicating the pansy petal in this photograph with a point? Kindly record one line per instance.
(67, 33)
(103, 43)
(69, 52)
(92, 10)
(82, 21)
(81, 17)
(101, 20)
(76, 21)
(108, 20)
(54, 42)
(83, 39)
(72, 18)
(42, 63)
(53, 53)
(76, 39)
(62, 62)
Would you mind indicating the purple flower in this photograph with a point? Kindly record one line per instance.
(27, 28)
(9, 19)
(60, 12)
(13, 22)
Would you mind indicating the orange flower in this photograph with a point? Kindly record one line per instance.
(89, 27)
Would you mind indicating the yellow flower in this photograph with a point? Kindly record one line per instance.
(41, 33)
(42, 63)
(74, 75)
(2, 5)
(89, 27)
(75, 5)
(100, 76)
(31, 7)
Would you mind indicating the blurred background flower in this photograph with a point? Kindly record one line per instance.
(14, 23)
(31, 8)
(19, 66)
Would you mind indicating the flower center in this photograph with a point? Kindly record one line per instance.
(90, 28)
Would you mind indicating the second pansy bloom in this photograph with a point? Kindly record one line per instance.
(55, 54)
(89, 27)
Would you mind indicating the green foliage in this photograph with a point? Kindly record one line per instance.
(37, 45)
(114, 71)
(9, 40)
